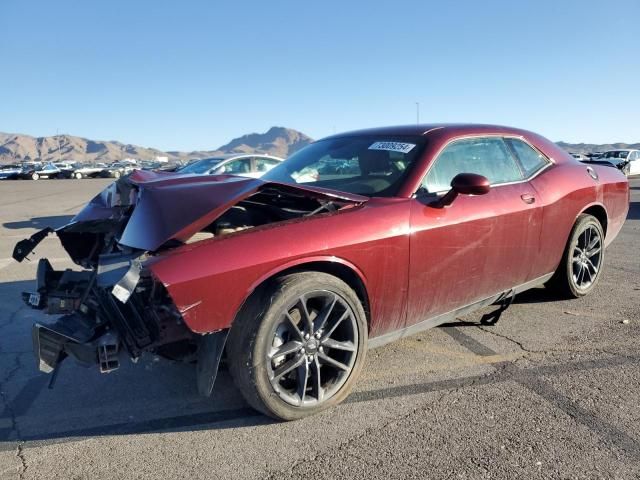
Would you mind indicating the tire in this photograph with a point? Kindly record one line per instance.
(77, 176)
(262, 330)
(116, 174)
(580, 268)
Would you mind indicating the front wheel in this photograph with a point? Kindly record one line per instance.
(298, 345)
(583, 259)
(35, 176)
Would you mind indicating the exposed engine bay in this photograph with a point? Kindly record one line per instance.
(264, 207)
(114, 306)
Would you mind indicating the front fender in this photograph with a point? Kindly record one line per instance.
(193, 298)
(210, 280)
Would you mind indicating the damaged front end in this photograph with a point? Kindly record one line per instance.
(115, 305)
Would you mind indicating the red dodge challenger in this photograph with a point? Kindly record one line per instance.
(356, 240)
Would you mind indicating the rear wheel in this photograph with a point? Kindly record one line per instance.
(77, 176)
(583, 259)
(298, 345)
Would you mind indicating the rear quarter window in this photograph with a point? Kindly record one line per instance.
(530, 159)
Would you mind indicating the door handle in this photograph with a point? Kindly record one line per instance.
(528, 198)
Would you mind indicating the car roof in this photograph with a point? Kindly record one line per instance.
(442, 128)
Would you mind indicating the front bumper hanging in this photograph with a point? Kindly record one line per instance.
(106, 312)
(112, 309)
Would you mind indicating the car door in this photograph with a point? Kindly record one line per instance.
(478, 246)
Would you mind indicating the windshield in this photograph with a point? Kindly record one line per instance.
(366, 165)
(201, 166)
(622, 154)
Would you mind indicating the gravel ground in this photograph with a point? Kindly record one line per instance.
(551, 391)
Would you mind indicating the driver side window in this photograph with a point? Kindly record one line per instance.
(487, 156)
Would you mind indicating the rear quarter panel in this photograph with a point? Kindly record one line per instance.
(566, 190)
(616, 196)
(209, 281)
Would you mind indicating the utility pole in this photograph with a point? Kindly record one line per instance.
(59, 154)
(417, 113)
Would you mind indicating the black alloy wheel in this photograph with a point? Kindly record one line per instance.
(583, 259)
(313, 349)
(298, 345)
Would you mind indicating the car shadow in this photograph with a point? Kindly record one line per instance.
(39, 223)
(536, 295)
(152, 395)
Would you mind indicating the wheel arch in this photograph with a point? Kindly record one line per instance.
(338, 267)
(599, 211)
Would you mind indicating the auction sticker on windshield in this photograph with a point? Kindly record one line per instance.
(393, 146)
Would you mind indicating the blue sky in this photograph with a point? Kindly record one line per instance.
(194, 74)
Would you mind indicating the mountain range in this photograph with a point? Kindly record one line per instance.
(16, 148)
(278, 141)
(597, 147)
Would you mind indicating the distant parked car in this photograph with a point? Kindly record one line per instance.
(66, 169)
(36, 171)
(89, 171)
(116, 170)
(626, 160)
(157, 166)
(9, 171)
(579, 156)
(243, 165)
(149, 165)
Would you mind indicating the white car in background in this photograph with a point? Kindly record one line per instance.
(618, 157)
(244, 165)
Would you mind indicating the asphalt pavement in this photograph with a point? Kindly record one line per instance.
(551, 391)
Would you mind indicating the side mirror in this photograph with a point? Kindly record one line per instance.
(470, 184)
(464, 184)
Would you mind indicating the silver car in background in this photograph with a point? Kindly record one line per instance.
(244, 165)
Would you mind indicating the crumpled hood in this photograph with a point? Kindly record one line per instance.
(169, 206)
